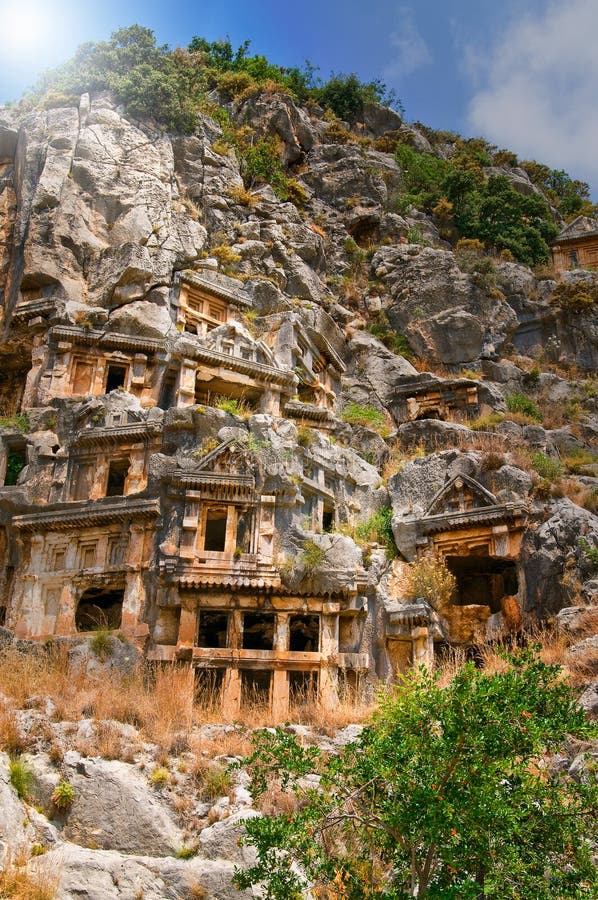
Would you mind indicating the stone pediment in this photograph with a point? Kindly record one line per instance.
(580, 227)
(229, 458)
(234, 339)
(461, 494)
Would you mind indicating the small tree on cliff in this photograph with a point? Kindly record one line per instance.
(449, 793)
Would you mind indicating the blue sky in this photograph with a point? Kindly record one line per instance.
(522, 73)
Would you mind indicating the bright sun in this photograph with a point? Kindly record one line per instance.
(24, 27)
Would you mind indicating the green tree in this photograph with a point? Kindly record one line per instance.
(449, 793)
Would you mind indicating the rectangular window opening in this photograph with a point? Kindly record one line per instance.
(117, 475)
(255, 687)
(115, 377)
(208, 687)
(303, 688)
(328, 519)
(258, 631)
(304, 633)
(213, 629)
(215, 535)
(168, 391)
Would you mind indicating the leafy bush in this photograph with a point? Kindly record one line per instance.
(429, 577)
(346, 95)
(15, 464)
(21, 777)
(488, 211)
(367, 416)
(393, 340)
(546, 467)
(444, 795)
(312, 556)
(575, 297)
(149, 79)
(378, 528)
(63, 795)
(519, 403)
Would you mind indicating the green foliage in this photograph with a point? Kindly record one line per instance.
(305, 436)
(516, 222)
(346, 95)
(15, 463)
(378, 528)
(367, 416)
(19, 422)
(570, 196)
(21, 777)
(591, 553)
(159, 777)
(449, 793)
(150, 80)
(312, 556)
(171, 86)
(423, 176)
(519, 403)
(488, 210)
(216, 782)
(575, 297)
(546, 467)
(63, 795)
(232, 406)
(395, 341)
(187, 851)
(100, 643)
(429, 577)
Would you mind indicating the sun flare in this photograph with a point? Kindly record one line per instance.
(24, 27)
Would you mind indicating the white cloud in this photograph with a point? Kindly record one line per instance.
(539, 89)
(410, 51)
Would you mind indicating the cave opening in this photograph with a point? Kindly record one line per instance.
(99, 608)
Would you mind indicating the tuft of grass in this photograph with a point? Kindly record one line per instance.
(187, 851)
(11, 738)
(232, 406)
(101, 642)
(159, 777)
(243, 196)
(312, 556)
(63, 795)
(305, 436)
(378, 528)
(19, 422)
(21, 777)
(547, 468)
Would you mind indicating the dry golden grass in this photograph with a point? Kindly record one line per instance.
(38, 881)
(12, 741)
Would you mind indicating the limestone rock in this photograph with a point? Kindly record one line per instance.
(549, 553)
(115, 808)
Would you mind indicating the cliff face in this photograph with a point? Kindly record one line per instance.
(293, 447)
(210, 423)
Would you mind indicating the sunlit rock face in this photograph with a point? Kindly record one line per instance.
(212, 439)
